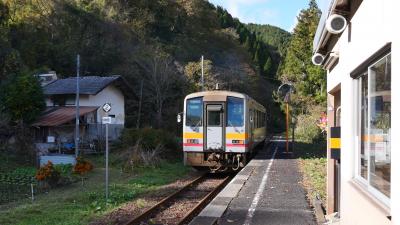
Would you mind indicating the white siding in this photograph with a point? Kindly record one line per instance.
(374, 24)
(110, 94)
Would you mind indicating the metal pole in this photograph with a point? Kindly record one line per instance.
(293, 125)
(32, 195)
(106, 162)
(202, 73)
(77, 107)
(287, 127)
(140, 105)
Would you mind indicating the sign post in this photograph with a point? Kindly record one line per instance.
(106, 120)
(285, 90)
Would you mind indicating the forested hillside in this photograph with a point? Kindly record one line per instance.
(275, 37)
(309, 81)
(157, 42)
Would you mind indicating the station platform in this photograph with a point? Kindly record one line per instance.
(266, 191)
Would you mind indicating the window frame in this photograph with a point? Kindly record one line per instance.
(202, 112)
(243, 122)
(366, 183)
(208, 118)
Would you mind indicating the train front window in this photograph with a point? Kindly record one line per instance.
(194, 112)
(235, 117)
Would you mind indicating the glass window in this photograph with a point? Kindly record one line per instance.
(257, 119)
(379, 124)
(364, 127)
(375, 126)
(194, 112)
(214, 118)
(235, 115)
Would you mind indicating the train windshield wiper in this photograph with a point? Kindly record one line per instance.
(235, 128)
(197, 125)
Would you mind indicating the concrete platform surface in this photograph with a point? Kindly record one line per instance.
(266, 191)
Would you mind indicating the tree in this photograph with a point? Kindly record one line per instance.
(297, 68)
(193, 74)
(161, 80)
(268, 67)
(22, 98)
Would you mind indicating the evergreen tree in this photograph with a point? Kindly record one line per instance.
(297, 67)
(22, 98)
(247, 43)
(268, 67)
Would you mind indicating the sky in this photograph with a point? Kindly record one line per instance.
(280, 13)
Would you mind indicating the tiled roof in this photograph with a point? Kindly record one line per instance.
(56, 116)
(89, 85)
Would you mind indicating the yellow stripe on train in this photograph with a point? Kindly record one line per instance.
(236, 136)
(193, 135)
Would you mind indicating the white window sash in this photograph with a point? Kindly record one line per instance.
(357, 171)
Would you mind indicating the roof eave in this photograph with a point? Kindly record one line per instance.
(322, 35)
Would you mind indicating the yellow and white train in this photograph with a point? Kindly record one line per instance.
(221, 129)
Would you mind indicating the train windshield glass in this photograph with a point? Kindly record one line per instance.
(194, 112)
(235, 117)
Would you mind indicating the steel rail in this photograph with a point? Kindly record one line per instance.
(149, 212)
(204, 201)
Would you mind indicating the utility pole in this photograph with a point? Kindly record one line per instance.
(140, 105)
(202, 73)
(77, 108)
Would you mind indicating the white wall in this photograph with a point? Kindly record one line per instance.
(374, 24)
(110, 94)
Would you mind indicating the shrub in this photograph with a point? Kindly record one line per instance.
(64, 169)
(149, 137)
(146, 147)
(306, 127)
(82, 166)
(48, 174)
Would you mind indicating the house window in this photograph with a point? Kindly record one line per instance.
(374, 117)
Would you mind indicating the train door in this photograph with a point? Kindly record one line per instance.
(215, 125)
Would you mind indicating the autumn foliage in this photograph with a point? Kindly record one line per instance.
(82, 166)
(48, 173)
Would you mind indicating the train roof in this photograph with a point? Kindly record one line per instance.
(219, 95)
(216, 93)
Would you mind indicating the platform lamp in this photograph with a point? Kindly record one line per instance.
(284, 92)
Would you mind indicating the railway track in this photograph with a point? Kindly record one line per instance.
(181, 206)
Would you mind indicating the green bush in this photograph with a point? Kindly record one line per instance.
(306, 127)
(64, 169)
(149, 137)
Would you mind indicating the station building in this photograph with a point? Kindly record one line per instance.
(358, 43)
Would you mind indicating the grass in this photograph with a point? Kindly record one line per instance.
(312, 162)
(81, 203)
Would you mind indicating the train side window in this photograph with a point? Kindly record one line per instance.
(194, 112)
(256, 119)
